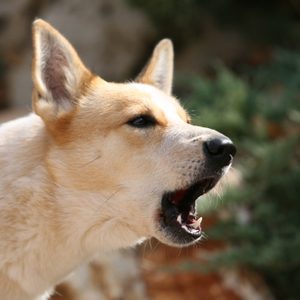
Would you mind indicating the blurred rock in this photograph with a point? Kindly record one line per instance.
(175, 274)
(13, 31)
(113, 276)
(14, 19)
(109, 36)
(248, 285)
(215, 45)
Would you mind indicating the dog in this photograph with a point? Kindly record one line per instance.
(97, 166)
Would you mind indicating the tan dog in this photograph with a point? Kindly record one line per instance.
(98, 166)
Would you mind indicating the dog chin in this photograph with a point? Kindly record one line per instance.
(173, 241)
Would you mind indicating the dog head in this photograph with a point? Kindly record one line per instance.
(132, 142)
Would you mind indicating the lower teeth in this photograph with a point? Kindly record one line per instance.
(191, 230)
(192, 226)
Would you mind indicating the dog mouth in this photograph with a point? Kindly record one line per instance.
(178, 217)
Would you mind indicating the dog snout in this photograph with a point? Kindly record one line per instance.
(220, 151)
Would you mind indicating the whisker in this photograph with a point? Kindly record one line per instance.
(205, 236)
(144, 248)
(91, 161)
(179, 252)
(150, 244)
(112, 195)
(156, 245)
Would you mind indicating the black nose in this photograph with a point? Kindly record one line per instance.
(220, 151)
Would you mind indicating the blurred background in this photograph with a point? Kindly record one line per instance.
(237, 70)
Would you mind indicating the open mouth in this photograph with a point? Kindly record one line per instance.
(178, 217)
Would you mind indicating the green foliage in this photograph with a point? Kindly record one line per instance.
(270, 241)
(210, 102)
(260, 112)
(183, 20)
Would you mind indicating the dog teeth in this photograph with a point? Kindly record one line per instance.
(192, 227)
(197, 223)
(179, 219)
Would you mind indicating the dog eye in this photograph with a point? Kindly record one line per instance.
(143, 121)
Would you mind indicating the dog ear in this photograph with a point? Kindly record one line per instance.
(159, 69)
(58, 73)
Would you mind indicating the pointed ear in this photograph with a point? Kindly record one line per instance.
(57, 71)
(159, 70)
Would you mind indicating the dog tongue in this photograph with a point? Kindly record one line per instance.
(178, 196)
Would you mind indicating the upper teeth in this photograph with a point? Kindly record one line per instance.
(197, 223)
(179, 219)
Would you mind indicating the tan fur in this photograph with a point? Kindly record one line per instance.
(75, 178)
(161, 59)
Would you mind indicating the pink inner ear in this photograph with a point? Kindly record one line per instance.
(53, 71)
